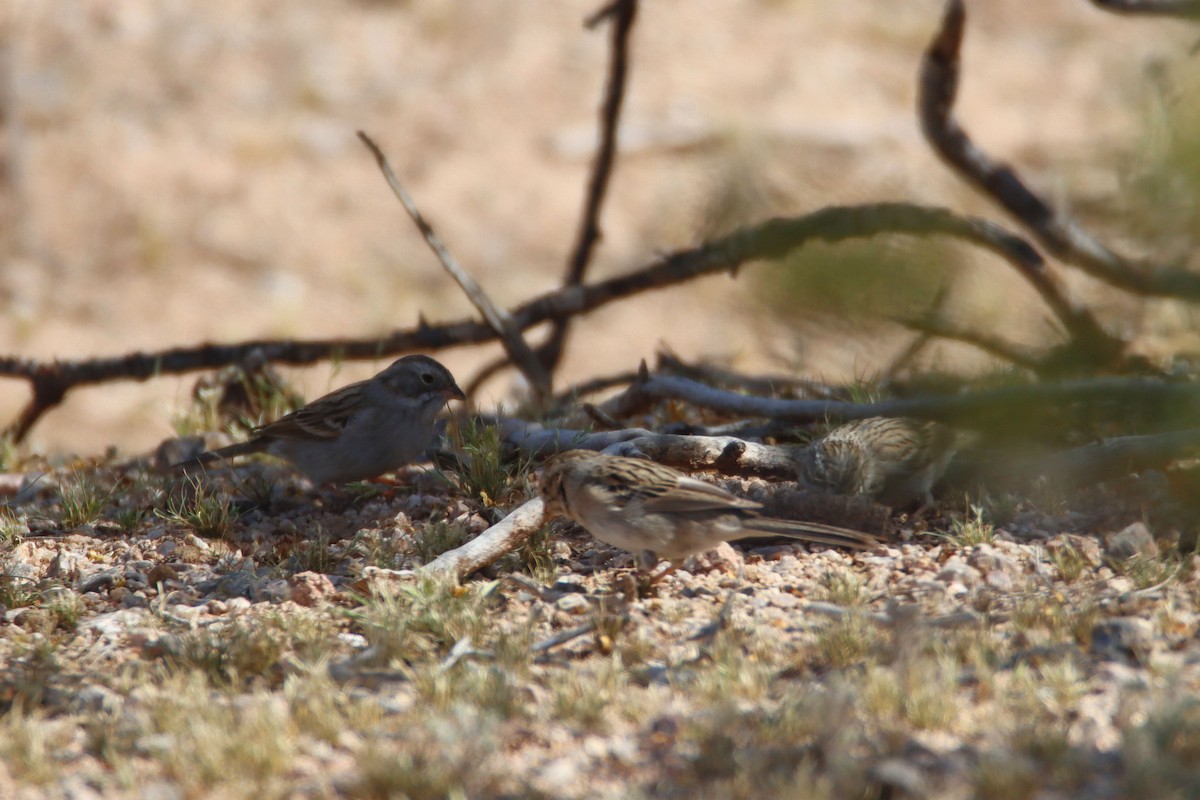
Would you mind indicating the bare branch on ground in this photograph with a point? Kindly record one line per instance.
(964, 407)
(493, 544)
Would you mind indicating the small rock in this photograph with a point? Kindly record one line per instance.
(18, 569)
(1119, 584)
(897, 774)
(135, 579)
(722, 557)
(999, 580)
(309, 588)
(99, 581)
(1124, 639)
(560, 772)
(572, 604)
(94, 699)
(236, 605)
(1135, 540)
(66, 566)
(158, 790)
(197, 542)
(272, 591)
(988, 559)
(783, 600)
(956, 570)
(240, 583)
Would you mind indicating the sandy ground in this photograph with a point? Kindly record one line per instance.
(181, 172)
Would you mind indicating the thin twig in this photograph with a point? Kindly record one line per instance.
(757, 384)
(572, 393)
(562, 637)
(498, 319)
(473, 385)
(919, 342)
(935, 325)
(622, 13)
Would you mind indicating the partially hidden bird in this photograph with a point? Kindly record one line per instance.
(895, 460)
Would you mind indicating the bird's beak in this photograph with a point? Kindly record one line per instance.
(452, 392)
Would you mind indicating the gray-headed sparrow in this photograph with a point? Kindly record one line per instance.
(361, 430)
(892, 459)
(656, 512)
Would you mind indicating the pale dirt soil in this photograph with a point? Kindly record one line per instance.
(189, 172)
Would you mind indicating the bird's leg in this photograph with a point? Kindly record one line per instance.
(648, 561)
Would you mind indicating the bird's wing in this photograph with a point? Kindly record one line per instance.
(322, 419)
(688, 495)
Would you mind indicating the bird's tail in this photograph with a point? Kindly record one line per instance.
(220, 454)
(811, 532)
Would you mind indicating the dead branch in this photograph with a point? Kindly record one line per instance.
(622, 13)
(1098, 461)
(935, 325)
(572, 393)
(532, 440)
(966, 407)
(493, 544)
(1188, 9)
(770, 240)
(758, 384)
(1056, 231)
(725, 454)
(497, 318)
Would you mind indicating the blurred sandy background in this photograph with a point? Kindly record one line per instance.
(176, 172)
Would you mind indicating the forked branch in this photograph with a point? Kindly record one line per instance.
(771, 240)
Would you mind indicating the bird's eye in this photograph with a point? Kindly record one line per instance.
(426, 377)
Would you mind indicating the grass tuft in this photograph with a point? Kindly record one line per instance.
(83, 499)
(208, 513)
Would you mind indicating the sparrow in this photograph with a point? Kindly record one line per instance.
(656, 512)
(894, 460)
(359, 431)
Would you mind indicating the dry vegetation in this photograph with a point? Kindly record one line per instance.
(245, 634)
(226, 639)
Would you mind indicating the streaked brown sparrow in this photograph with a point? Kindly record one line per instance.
(655, 512)
(891, 459)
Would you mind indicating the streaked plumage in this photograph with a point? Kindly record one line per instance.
(361, 430)
(655, 511)
(891, 459)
